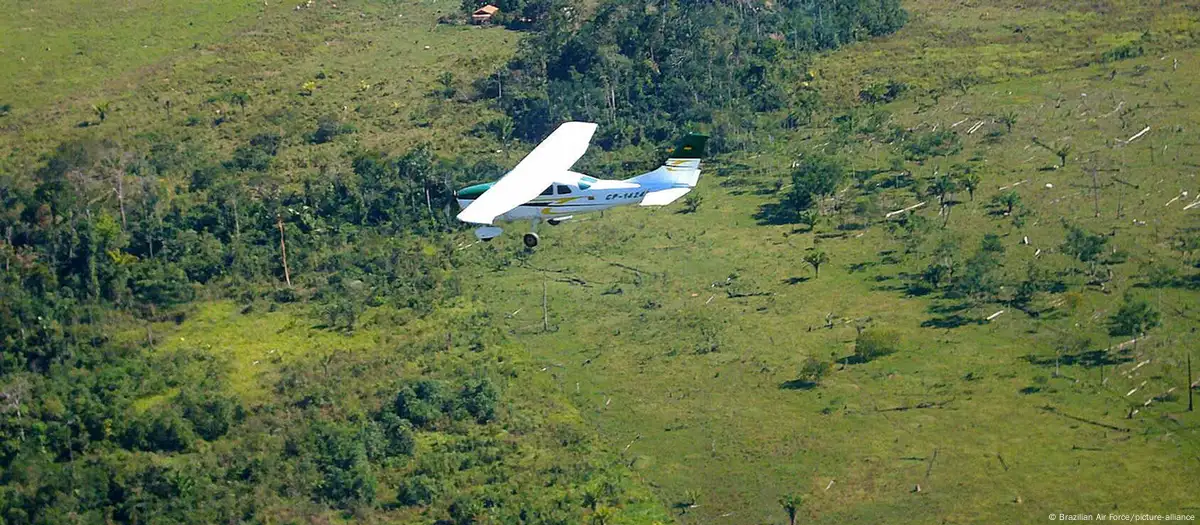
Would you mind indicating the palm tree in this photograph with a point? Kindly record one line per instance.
(970, 180)
(790, 504)
(942, 186)
(1008, 199)
(816, 259)
(101, 110)
(1009, 119)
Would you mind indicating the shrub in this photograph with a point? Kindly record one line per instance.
(163, 431)
(1123, 52)
(872, 344)
(1159, 275)
(418, 490)
(813, 370)
(815, 175)
(210, 414)
(691, 203)
(935, 144)
(422, 402)
(1134, 318)
(341, 456)
(479, 398)
(329, 128)
(882, 92)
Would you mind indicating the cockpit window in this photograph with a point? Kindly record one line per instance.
(548, 191)
(586, 182)
(563, 190)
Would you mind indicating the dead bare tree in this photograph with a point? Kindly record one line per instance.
(287, 275)
(13, 395)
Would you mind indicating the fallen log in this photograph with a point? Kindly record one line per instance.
(1053, 410)
(1136, 136)
(910, 208)
(926, 404)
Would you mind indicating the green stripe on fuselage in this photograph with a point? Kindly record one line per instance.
(473, 192)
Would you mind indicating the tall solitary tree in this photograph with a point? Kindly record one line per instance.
(817, 175)
(966, 178)
(1009, 200)
(1084, 246)
(942, 187)
(1135, 317)
(790, 504)
(101, 110)
(816, 259)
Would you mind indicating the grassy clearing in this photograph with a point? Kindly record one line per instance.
(960, 411)
(374, 66)
(62, 49)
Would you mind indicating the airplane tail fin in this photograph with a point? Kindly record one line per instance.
(682, 169)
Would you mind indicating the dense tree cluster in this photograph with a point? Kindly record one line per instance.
(643, 69)
(102, 238)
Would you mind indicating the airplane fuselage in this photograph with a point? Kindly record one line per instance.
(515, 198)
(566, 199)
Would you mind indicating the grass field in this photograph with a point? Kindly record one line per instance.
(974, 414)
(675, 339)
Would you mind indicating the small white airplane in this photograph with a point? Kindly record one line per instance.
(543, 188)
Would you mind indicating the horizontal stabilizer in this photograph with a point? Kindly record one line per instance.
(664, 197)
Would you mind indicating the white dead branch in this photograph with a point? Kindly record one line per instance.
(1177, 197)
(1193, 204)
(1129, 374)
(1013, 185)
(1125, 344)
(1136, 136)
(1135, 389)
(995, 315)
(910, 208)
(975, 127)
(955, 125)
(1110, 113)
(829, 485)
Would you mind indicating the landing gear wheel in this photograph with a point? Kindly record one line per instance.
(531, 240)
(553, 222)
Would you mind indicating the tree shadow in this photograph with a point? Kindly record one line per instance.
(1186, 282)
(917, 289)
(774, 214)
(797, 280)
(832, 235)
(797, 384)
(861, 266)
(950, 321)
(852, 359)
(1086, 359)
(945, 308)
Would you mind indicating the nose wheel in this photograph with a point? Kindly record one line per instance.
(530, 240)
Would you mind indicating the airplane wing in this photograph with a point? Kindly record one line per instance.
(533, 174)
